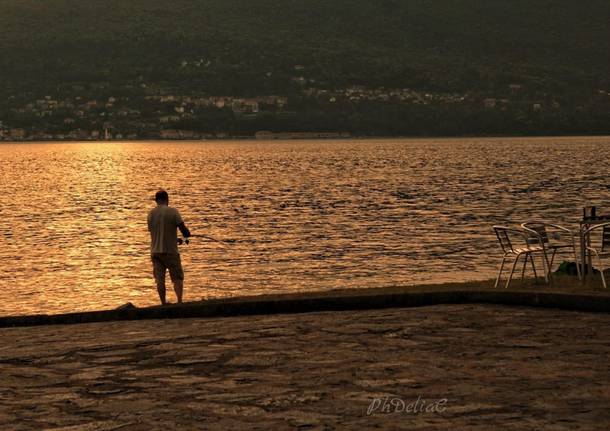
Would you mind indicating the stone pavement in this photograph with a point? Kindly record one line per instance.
(474, 367)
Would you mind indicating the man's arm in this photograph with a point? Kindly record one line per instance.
(180, 223)
(184, 230)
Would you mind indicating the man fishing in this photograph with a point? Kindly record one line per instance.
(163, 222)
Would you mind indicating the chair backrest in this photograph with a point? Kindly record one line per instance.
(598, 234)
(504, 237)
(540, 229)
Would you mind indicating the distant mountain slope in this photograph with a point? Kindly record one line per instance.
(253, 46)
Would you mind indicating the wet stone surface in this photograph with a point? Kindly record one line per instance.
(475, 367)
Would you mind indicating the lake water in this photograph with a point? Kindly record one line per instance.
(299, 215)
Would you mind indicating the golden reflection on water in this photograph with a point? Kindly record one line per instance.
(301, 215)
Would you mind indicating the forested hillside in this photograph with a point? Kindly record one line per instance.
(557, 51)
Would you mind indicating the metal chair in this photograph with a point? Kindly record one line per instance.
(554, 242)
(506, 236)
(604, 245)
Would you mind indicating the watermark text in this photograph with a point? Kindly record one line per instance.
(387, 405)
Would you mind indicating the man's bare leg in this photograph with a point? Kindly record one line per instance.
(178, 287)
(161, 291)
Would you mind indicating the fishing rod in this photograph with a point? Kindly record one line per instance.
(186, 240)
(211, 238)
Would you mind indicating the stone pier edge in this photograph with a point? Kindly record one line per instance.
(365, 299)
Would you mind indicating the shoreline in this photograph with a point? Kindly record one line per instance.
(254, 139)
(566, 298)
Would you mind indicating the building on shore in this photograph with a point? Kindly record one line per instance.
(265, 135)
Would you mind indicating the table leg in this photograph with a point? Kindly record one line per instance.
(583, 256)
(589, 256)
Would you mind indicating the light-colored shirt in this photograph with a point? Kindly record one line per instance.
(163, 223)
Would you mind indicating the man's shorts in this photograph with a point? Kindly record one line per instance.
(162, 262)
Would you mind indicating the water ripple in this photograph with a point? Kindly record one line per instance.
(298, 216)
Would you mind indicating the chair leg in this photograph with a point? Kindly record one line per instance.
(601, 271)
(534, 268)
(547, 268)
(500, 273)
(524, 265)
(552, 259)
(546, 279)
(512, 271)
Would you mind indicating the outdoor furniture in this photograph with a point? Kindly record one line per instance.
(516, 243)
(554, 238)
(589, 220)
(596, 241)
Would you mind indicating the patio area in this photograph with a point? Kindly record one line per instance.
(482, 366)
